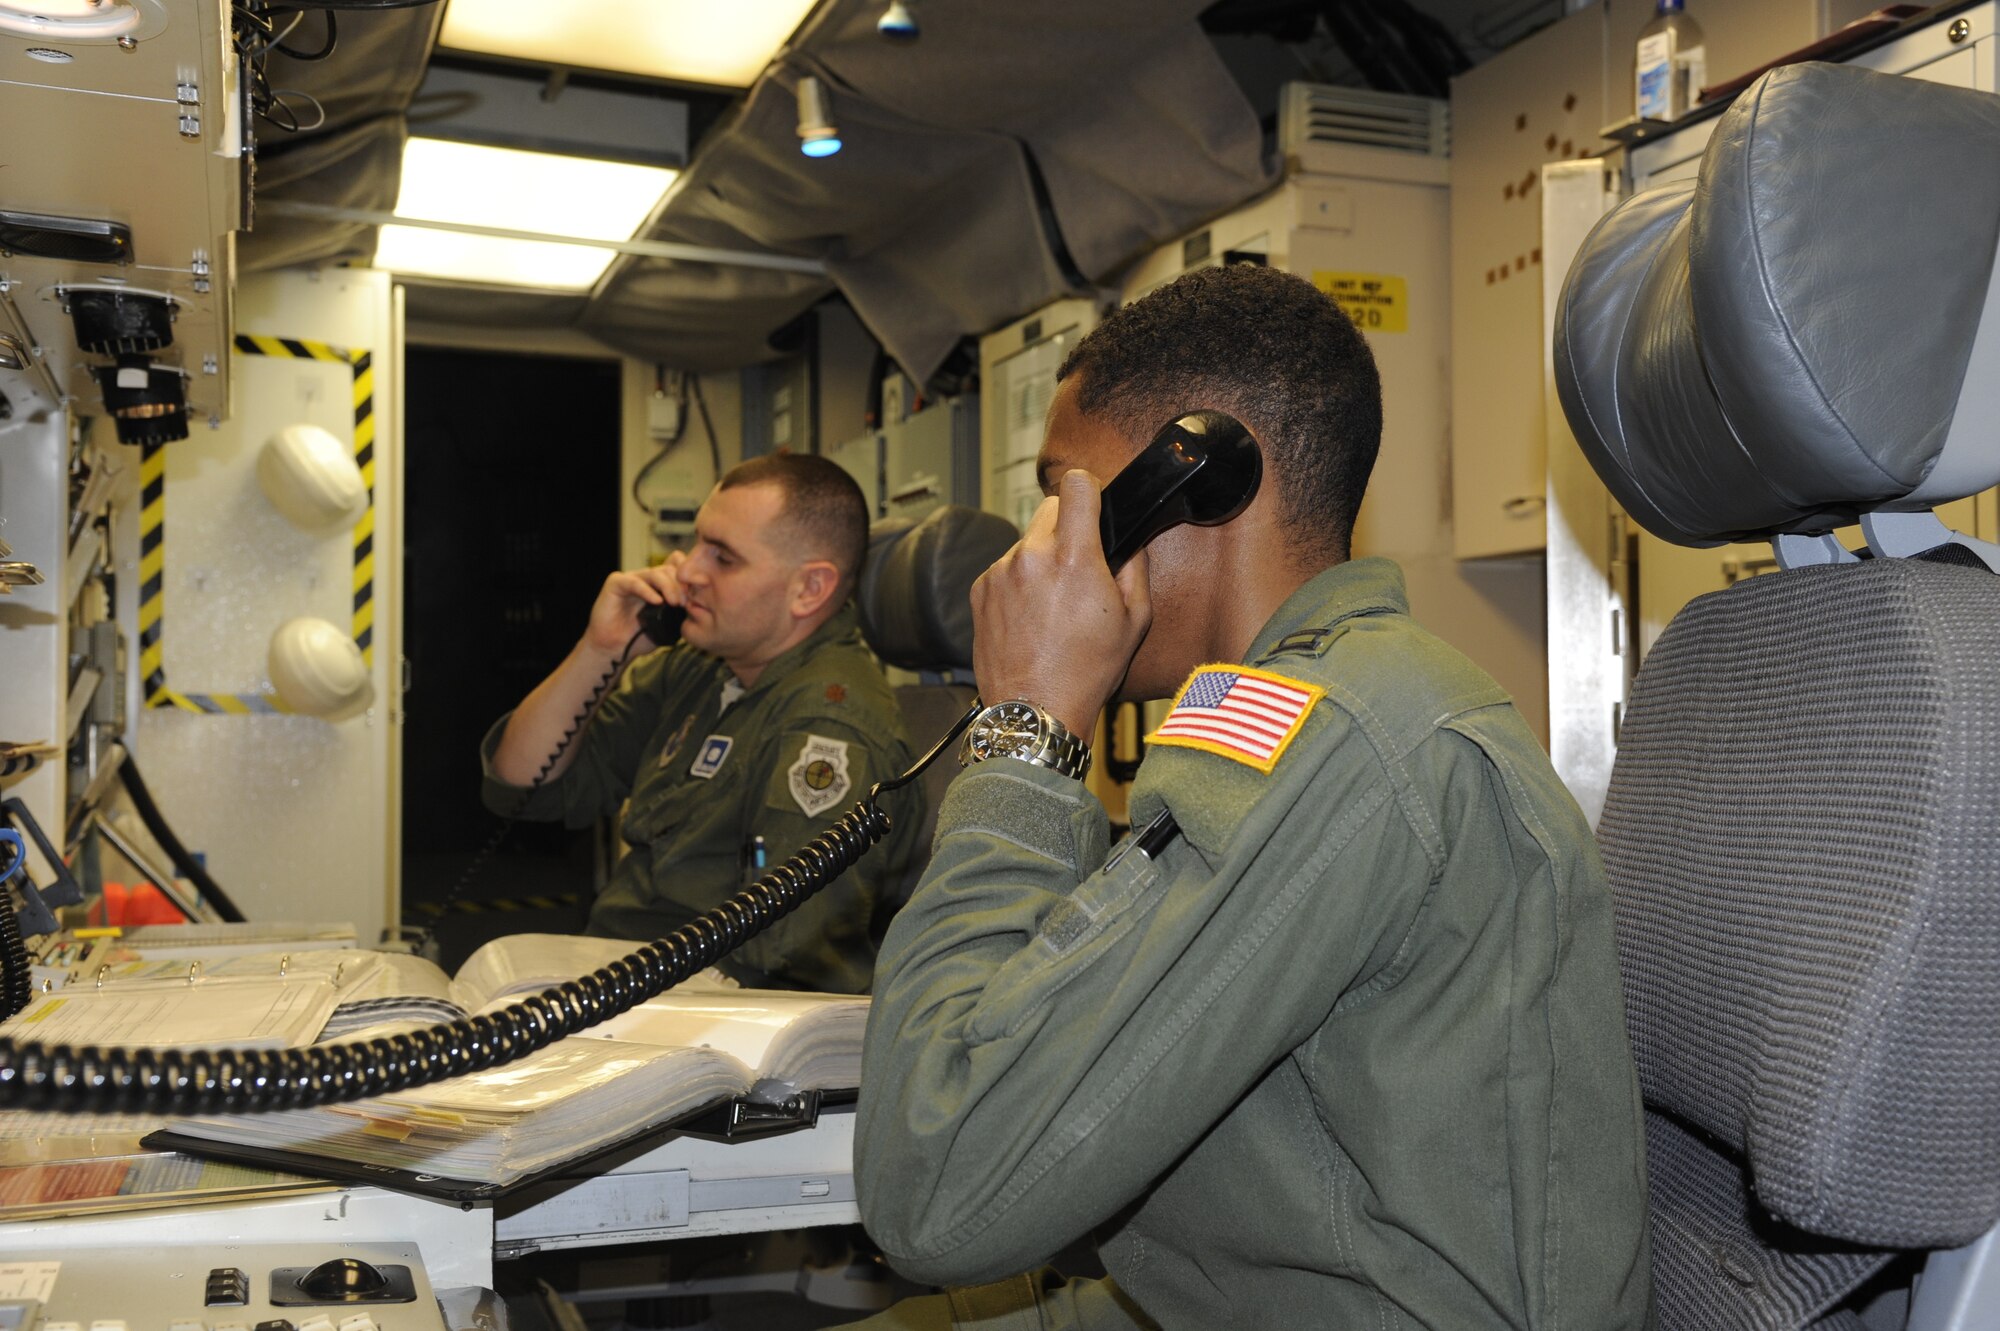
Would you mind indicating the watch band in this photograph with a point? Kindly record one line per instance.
(1062, 752)
(1017, 728)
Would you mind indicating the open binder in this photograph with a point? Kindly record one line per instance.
(703, 1056)
(738, 1118)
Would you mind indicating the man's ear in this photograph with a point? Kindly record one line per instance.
(815, 586)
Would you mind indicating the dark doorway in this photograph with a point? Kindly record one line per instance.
(511, 484)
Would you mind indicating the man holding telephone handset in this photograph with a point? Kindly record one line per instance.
(733, 747)
(1336, 1038)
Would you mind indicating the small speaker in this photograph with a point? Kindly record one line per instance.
(76, 239)
(116, 323)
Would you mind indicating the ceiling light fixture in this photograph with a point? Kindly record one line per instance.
(898, 23)
(688, 41)
(817, 135)
(82, 21)
(454, 256)
(553, 195)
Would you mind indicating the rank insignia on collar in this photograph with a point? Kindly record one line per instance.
(1237, 712)
(1306, 642)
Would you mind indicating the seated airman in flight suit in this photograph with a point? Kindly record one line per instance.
(1342, 1044)
(745, 740)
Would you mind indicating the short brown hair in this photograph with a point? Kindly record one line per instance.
(824, 513)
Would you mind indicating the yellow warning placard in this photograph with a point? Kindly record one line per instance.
(1377, 302)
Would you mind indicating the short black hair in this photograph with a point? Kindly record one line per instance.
(1266, 347)
(825, 515)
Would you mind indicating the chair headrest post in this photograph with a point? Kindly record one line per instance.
(1893, 535)
(1797, 551)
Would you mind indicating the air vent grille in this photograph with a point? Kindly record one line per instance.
(1322, 113)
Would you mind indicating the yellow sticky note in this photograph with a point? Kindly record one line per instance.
(1377, 302)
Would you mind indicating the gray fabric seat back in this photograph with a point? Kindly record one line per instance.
(915, 598)
(1803, 835)
(1803, 818)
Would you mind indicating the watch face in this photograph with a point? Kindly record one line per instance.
(1005, 730)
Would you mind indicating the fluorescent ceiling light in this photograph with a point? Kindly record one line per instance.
(55, 9)
(692, 41)
(475, 185)
(523, 191)
(455, 256)
(75, 20)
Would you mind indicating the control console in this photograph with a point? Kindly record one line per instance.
(221, 1287)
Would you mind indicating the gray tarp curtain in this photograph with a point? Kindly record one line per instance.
(931, 220)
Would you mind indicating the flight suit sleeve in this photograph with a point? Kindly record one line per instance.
(1048, 1036)
(607, 755)
(813, 771)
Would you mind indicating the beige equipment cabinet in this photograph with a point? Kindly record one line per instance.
(1363, 213)
(148, 136)
(1017, 377)
(1542, 101)
(128, 115)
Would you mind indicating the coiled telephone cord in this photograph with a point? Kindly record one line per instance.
(95, 1080)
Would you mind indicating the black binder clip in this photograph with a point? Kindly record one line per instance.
(759, 1118)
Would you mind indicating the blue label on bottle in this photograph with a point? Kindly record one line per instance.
(1656, 64)
(1653, 93)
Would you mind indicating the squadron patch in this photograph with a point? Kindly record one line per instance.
(680, 737)
(709, 761)
(819, 779)
(1250, 716)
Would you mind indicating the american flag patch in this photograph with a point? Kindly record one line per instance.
(1240, 713)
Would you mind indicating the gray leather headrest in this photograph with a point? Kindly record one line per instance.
(1791, 342)
(915, 590)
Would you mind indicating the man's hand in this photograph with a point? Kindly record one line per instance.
(537, 741)
(1049, 622)
(614, 618)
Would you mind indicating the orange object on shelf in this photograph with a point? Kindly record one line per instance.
(138, 903)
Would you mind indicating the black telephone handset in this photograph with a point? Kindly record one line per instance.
(662, 623)
(1203, 468)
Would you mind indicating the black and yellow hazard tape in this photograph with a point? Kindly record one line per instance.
(501, 905)
(153, 527)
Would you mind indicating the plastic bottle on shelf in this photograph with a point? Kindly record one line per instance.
(1672, 65)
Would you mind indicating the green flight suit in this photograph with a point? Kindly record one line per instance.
(1349, 1053)
(783, 761)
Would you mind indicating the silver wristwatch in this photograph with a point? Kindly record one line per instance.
(1019, 729)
